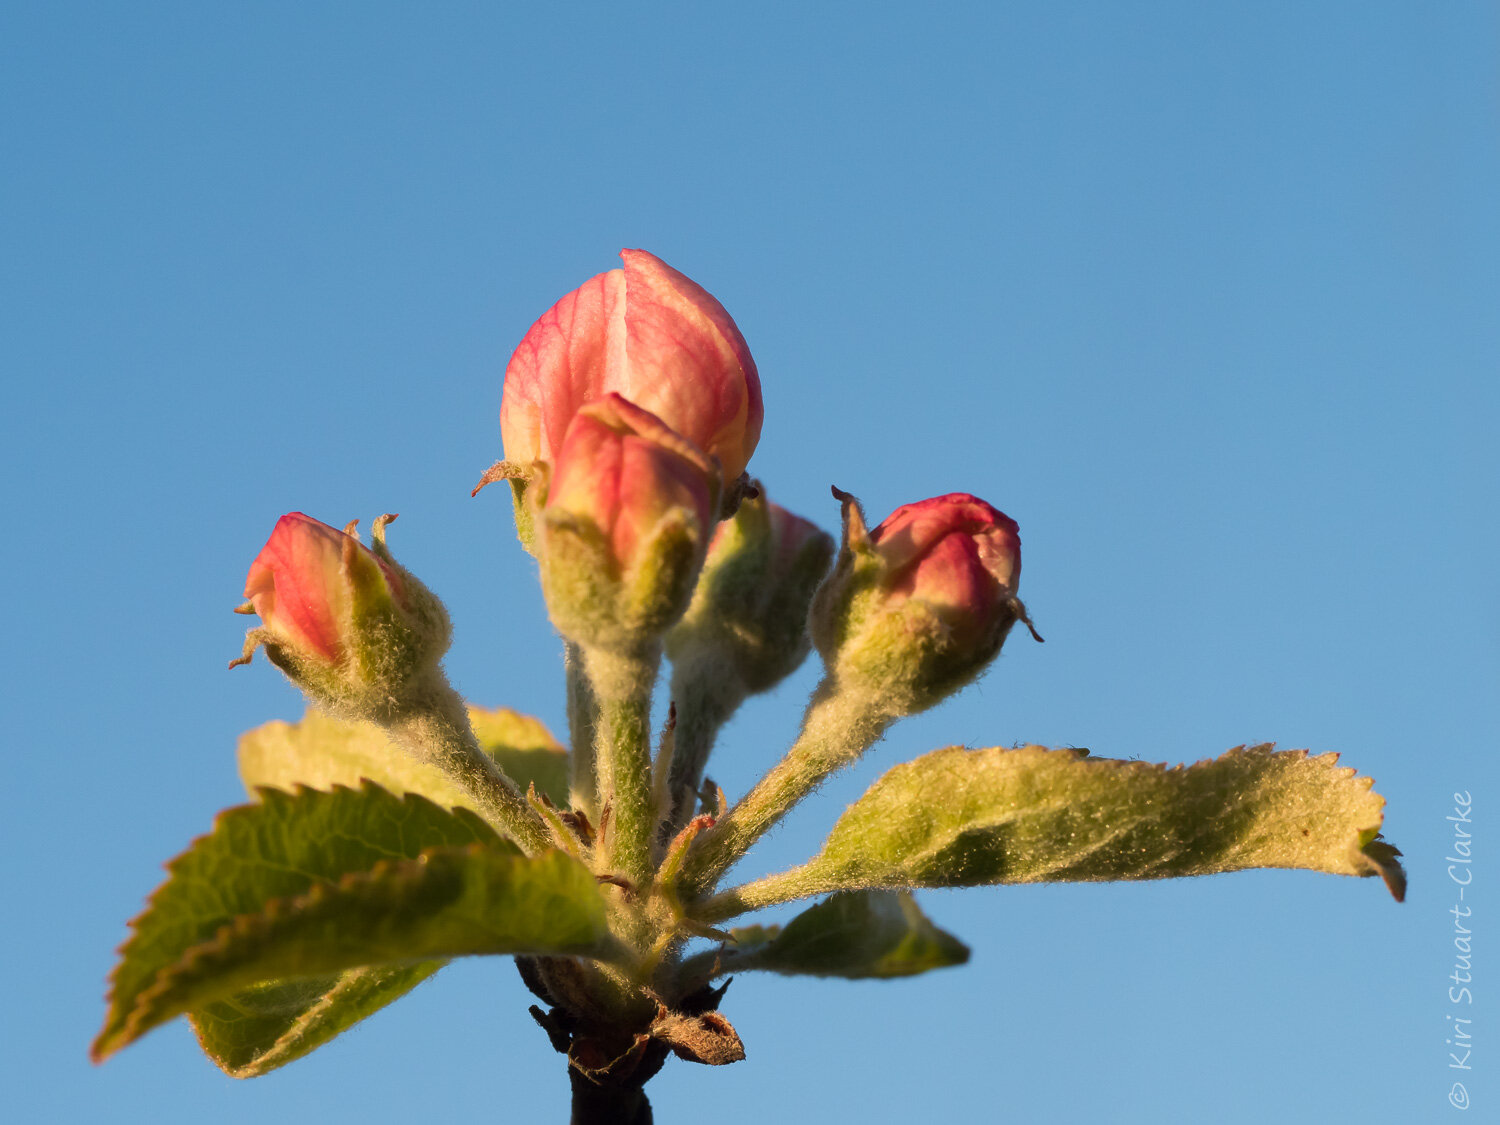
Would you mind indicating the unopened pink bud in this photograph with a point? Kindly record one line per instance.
(650, 334)
(955, 553)
(299, 586)
(347, 624)
(920, 606)
(627, 518)
(622, 469)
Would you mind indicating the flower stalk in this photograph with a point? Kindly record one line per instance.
(621, 683)
(745, 630)
(706, 694)
(439, 732)
(838, 726)
(583, 732)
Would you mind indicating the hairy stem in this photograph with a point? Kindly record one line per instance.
(621, 684)
(440, 733)
(838, 727)
(706, 692)
(785, 886)
(583, 724)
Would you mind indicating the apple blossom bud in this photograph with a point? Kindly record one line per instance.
(650, 334)
(624, 525)
(917, 608)
(357, 632)
(749, 612)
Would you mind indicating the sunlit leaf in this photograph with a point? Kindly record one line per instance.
(959, 817)
(449, 902)
(322, 752)
(283, 847)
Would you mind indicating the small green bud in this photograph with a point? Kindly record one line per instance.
(749, 612)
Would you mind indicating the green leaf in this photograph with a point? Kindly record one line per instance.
(266, 1026)
(854, 934)
(322, 752)
(524, 749)
(959, 817)
(449, 902)
(277, 849)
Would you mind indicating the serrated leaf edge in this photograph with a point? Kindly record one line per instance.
(284, 1049)
(107, 1042)
(247, 927)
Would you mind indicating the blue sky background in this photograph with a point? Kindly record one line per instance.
(1205, 296)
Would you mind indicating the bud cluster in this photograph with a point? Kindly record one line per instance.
(629, 414)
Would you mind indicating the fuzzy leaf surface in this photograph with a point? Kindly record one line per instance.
(322, 752)
(449, 902)
(266, 1026)
(853, 934)
(959, 817)
(278, 848)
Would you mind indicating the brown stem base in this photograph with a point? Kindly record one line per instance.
(607, 1105)
(610, 1061)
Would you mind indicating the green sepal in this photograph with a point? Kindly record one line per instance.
(580, 577)
(263, 1027)
(593, 602)
(959, 817)
(656, 590)
(322, 752)
(525, 518)
(448, 902)
(395, 641)
(278, 848)
(850, 593)
(852, 934)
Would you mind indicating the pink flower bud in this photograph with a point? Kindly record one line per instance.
(299, 586)
(650, 334)
(622, 469)
(956, 554)
(917, 608)
(626, 521)
(347, 624)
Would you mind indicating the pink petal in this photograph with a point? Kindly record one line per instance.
(563, 362)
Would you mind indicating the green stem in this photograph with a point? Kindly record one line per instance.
(583, 724)
(838, 727)
(440, 733)
(707, 690)
(622, 683)
(785, 886)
